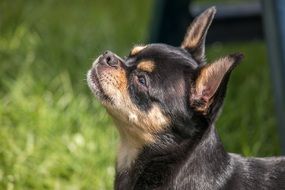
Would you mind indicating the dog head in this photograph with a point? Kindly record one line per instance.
(158, 87)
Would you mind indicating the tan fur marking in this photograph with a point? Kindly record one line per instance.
(137, 132)
(147, 66)
(137, 49)
(136, 127)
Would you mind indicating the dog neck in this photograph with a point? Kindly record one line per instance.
(130, 145)
(172, 159)
(208, 158)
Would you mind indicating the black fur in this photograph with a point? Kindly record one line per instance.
(199, 163)
(188, 154)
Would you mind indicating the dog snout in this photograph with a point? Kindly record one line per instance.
(110, 59)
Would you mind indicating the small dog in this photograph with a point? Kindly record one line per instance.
(164, 101)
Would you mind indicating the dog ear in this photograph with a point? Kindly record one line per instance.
(194, 40)
(209, 88)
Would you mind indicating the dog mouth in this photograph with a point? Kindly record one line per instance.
(95, 85)
(107, 78)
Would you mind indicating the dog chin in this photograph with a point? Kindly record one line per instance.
(94, 85)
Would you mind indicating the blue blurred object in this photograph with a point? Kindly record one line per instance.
(274, 26)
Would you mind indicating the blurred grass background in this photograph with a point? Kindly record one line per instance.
(54, 135)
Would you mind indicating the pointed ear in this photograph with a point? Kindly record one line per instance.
(194, 40)
(209, 88)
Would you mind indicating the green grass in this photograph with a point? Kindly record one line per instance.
(53, 134)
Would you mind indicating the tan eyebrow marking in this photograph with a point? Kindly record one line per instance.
(137, 49)
(147, 66)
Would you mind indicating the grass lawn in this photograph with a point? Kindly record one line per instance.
(54, 135)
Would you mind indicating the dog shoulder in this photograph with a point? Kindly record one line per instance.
(258, 173)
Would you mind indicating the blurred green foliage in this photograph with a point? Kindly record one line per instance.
(53, 134)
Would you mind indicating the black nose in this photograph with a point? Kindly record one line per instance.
(110, 59)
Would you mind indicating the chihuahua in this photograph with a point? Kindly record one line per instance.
(164, 101)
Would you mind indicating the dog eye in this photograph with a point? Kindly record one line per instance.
(141, 80)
